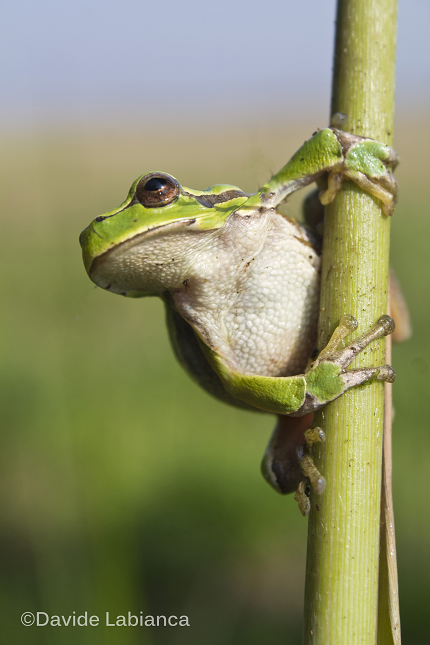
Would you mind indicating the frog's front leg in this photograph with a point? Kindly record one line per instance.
(341, 155)
(366, 163)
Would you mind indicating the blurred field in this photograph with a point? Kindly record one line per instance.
(126, 488)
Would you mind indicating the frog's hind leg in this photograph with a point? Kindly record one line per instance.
(327, 377)
(281, 465)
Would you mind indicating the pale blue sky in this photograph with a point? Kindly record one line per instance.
(77, 60)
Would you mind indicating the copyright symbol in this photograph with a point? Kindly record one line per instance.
(27, 618)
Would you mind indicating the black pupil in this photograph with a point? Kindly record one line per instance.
(155, 184)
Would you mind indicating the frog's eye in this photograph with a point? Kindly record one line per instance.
(156, 190)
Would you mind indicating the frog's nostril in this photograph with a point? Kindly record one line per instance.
(100, 218)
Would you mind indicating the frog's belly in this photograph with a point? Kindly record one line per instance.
(272, 326)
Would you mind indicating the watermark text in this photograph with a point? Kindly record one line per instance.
(42, 619)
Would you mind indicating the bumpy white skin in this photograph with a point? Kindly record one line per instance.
(272, 323)
(250, 289)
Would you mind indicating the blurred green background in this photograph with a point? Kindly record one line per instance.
(116, 498)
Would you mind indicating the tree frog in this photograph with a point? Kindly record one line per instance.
(240, 283)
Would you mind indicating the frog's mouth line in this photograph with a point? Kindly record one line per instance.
(101, 218)
(132, 241)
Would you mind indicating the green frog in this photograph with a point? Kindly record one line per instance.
(241, 282)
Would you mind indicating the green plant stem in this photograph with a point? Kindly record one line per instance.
(341, 596)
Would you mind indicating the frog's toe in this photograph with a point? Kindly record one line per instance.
(387, 324)
(387, 374)
(383, 187)
(302, 497)
(334, 182)
(308, 468)
(388, 184)
(383, 327)
(313, 435)
(388, 209)
(351, 378)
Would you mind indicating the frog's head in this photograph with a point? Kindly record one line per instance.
(144, 245)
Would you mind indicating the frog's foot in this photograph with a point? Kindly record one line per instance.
(311, 474)
(327, 377)
(366, 162)
(306, 462)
